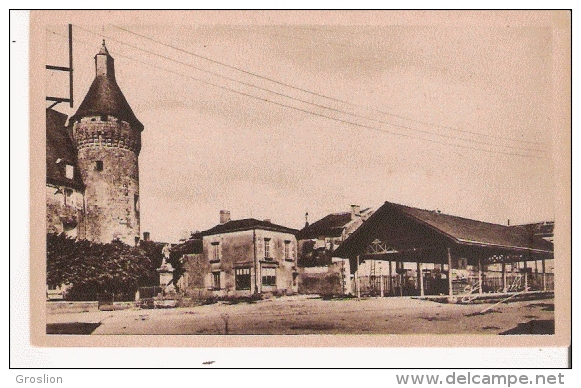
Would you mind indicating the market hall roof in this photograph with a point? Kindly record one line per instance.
(104, 96)
(408, 228)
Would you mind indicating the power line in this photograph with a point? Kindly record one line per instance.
(318, 94)
(314, 113)
(315, 104)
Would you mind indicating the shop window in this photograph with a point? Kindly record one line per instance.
(242, 278)
(269, 276)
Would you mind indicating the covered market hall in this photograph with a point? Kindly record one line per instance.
(454, 255)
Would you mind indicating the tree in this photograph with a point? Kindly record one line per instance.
(93, 268)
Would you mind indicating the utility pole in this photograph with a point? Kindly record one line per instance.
(69, 69)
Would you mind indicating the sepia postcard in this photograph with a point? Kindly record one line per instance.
(300, 178)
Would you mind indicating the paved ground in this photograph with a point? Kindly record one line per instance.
(311, 315)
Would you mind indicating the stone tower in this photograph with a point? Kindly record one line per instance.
(107, 136)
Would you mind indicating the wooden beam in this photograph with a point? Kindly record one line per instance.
(59, 68)
(420, 279)
(544, 275)
(58, 99)
(504, 277)
(479, 276)
(526, 276)
(391, 279)
(71, 65)
(450, 289)
(358, 281)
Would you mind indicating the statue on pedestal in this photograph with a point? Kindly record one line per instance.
(166, 270)
(166, 250)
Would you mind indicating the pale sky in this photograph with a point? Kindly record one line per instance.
(206, 149)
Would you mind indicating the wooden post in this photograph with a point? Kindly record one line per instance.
(391, 279)
(504, 289)
(420, 279)
(526, 276)
(401, 277)
(479, 276)
(544, 275)
(536, 277)
(450, 289)
(357, 280)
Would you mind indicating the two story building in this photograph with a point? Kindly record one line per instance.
(249, 256)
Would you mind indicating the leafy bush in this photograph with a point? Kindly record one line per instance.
(95, 269)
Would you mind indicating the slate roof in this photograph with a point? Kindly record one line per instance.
(331, 225)
(462, 231)
(105, 98)
(59, 145)
(465, 230)
(247, 224)
(541, 229)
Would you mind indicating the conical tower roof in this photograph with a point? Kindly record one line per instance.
(104, 96)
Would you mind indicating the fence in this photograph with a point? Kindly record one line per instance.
(405, 285)
(515, 282)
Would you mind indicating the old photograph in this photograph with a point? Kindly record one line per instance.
(335, 173)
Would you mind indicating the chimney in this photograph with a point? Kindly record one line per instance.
(146, 236)
(508, 222)
(267, 220)
(224, 216)
(306, 219)
(355, 211)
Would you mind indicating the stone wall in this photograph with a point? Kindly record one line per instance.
(108, 161)
(329, 280)
(64, 211)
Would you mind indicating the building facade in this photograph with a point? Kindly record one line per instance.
(249, 256)
(318, 240)
(92, 165)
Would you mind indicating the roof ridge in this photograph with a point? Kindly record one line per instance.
(448, 215)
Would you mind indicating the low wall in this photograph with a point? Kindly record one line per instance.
(71, 307)
(327, 280)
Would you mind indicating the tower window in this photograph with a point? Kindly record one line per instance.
(69, 171)
(99, 165)
(136, 202)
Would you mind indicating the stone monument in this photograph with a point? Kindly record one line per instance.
(166, 271)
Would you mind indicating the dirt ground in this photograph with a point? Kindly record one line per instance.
(312, 315)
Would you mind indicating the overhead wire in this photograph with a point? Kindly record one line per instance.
(319, 105)
(310, 112)
(315, 104)
(318, 94)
